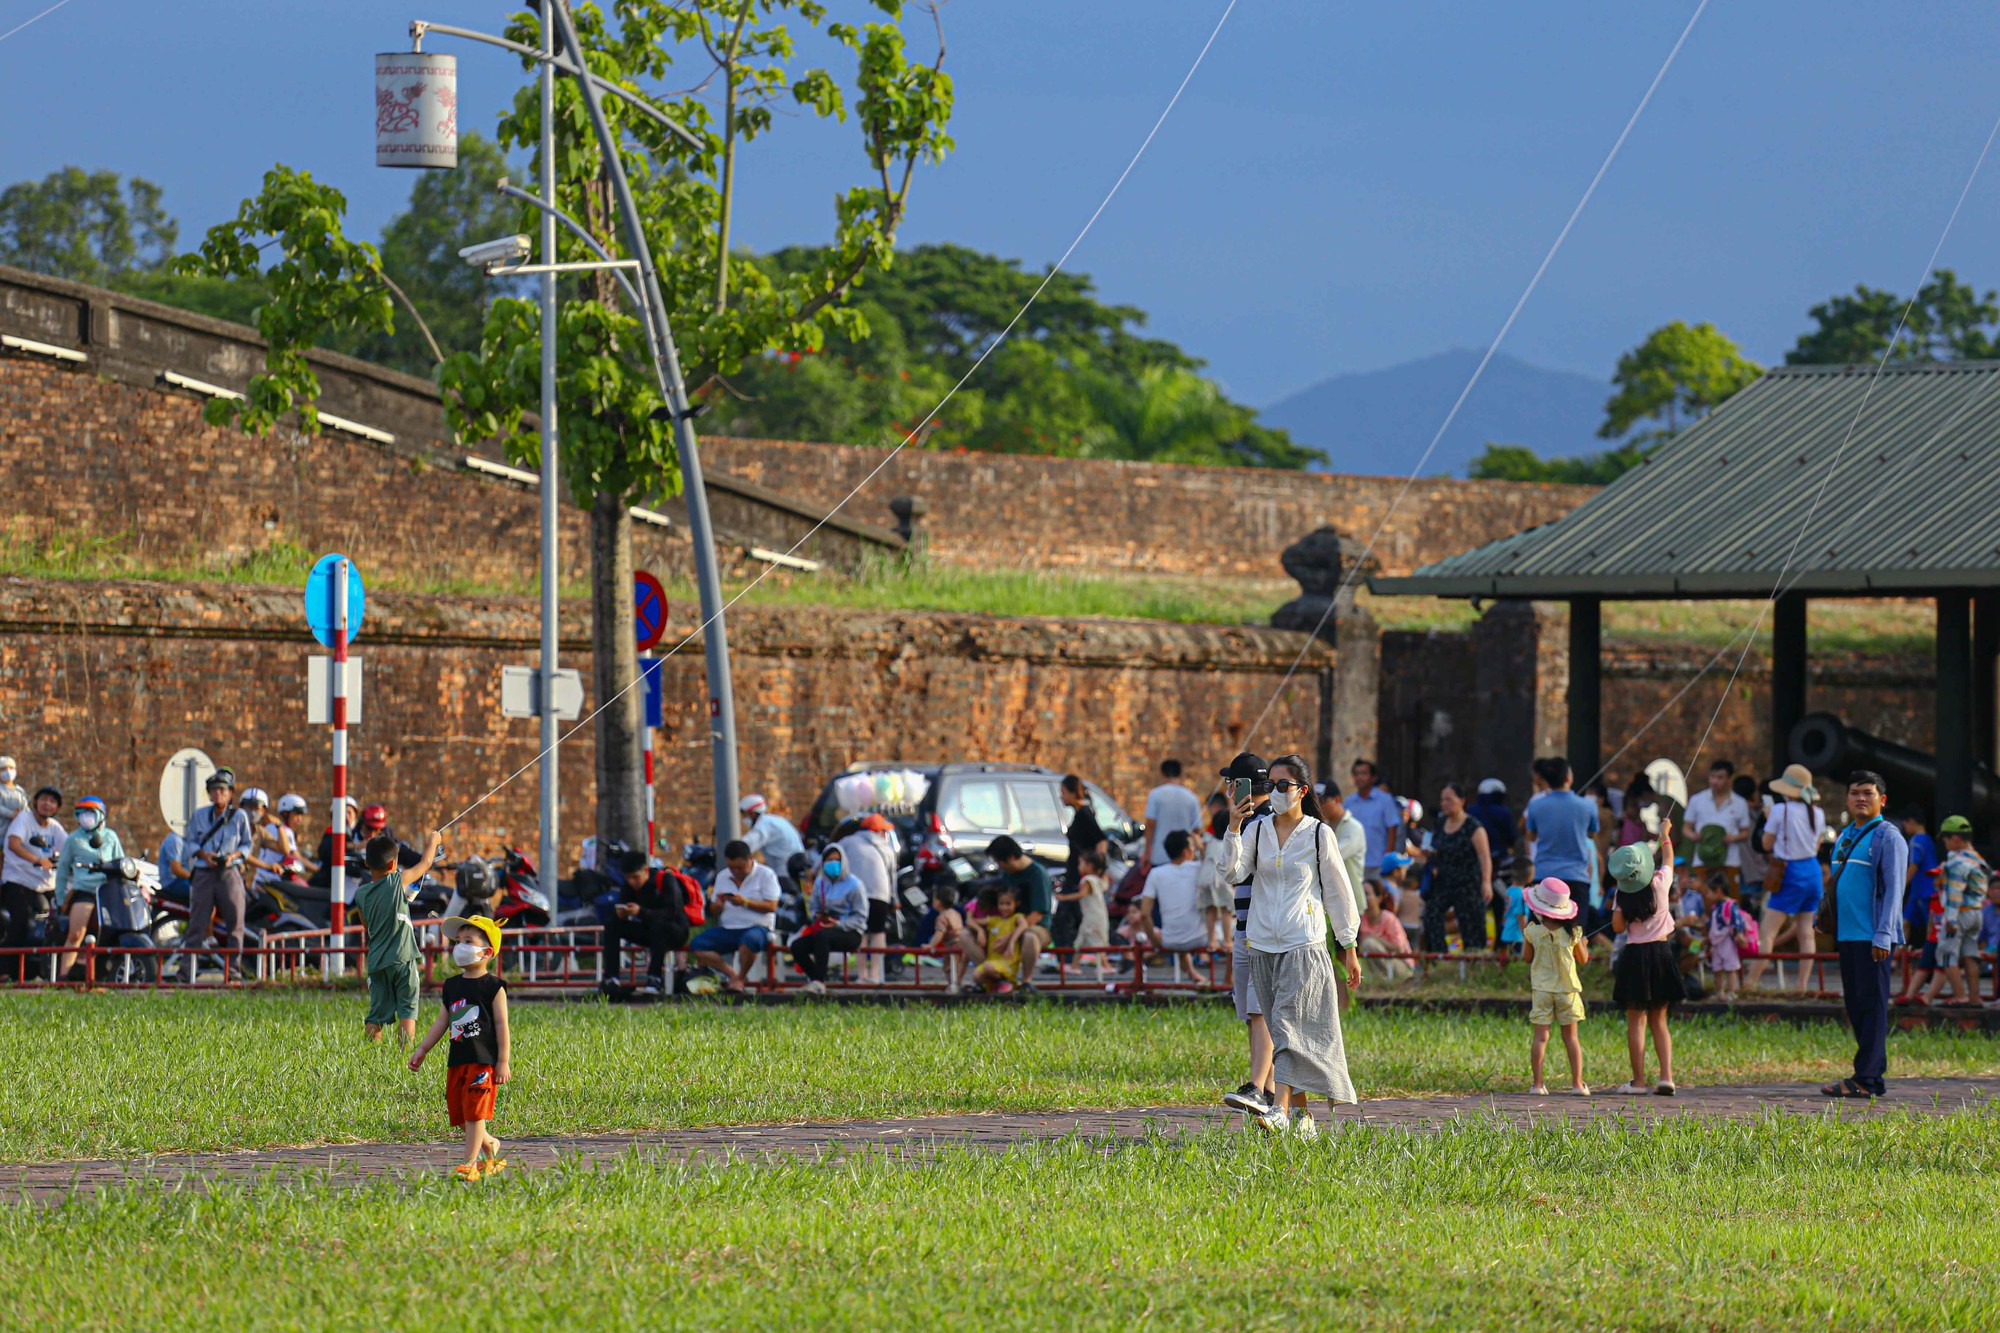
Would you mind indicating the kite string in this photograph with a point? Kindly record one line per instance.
(914, 433)
(1826, 479)
(1478, 370)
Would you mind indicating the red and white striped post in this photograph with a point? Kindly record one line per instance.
(337, 958)
(646, 729)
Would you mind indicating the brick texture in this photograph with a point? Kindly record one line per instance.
(1096, 514)
(101, 682)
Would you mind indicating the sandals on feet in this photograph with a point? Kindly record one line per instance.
(1847, 1088)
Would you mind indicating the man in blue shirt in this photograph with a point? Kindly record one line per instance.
(1870, 864)
(217, 839)
(1920, 884)
(1560, 826)
(1381, 817)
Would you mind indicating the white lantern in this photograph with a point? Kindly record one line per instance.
(416, 110)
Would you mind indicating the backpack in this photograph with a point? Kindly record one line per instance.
(691, 891)
(1747, 924)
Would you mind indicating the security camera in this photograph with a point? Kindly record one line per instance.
(490, 255)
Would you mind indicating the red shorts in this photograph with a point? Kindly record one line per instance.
(469, 1092)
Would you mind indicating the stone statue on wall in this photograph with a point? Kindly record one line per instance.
(1324, 563)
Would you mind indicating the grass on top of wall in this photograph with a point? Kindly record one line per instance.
(1865, 626)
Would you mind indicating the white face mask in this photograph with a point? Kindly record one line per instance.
(1283, 801)
(465, 955)
(87, 820)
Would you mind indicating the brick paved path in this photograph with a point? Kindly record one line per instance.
(989, 1132)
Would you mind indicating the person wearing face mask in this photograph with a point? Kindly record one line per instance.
(77, 876)
(1298, 893)
(12, 799)
(34, 840)
(482, 1042)
(838, 910)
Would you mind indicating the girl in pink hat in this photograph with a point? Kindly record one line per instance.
(1553, 944)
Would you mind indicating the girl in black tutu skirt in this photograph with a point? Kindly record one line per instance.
(1647, 977)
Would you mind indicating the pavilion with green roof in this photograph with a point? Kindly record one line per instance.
(1815, 481)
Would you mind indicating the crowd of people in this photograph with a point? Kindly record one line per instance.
(237, 843)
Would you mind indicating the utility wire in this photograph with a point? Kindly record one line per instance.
(1478, 370)
(916, 431)
(29, 23)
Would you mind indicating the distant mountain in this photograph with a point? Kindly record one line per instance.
(1380, 420)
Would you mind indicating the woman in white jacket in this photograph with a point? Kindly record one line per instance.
(1298, 887)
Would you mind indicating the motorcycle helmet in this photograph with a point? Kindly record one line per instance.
(474, 879)
(254, 796)
(90, 813)
(221, 777)
(374, 818)
(40, 792)
(291, 801)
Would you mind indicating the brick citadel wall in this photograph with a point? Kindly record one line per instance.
(118, 429)
(101, 682)
(1100, 514)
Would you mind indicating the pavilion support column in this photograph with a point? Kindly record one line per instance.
(1954, 704)
(1986, 679)
(1788, 675)
(1586, 686)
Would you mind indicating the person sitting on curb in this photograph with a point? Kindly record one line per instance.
(651, 913)
(747, 894)
(1034, 895)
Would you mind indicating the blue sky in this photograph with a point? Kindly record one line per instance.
(1342, 188)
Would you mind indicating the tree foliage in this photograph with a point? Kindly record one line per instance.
(86, 226)
(1076, 377)
(1949, 321)
(1676, 375)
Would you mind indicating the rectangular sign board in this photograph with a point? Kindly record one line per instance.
(319, 691)
(519, 686)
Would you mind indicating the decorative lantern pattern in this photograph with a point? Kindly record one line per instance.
(416, 110)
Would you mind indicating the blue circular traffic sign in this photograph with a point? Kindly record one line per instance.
(649, 609)
(319, 599)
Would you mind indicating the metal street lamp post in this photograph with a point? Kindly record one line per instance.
(653, 317)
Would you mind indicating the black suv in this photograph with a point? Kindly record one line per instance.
(946, 810)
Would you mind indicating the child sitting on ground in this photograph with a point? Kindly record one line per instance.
(1382, 933)
(482, 1042)
(999, 933)
(1728, 935)
(1093, 890)
(947, 932)
(1554, 945)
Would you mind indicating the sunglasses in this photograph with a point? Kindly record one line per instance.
(1286, 784)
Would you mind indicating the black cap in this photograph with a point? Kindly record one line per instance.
(1247, 765)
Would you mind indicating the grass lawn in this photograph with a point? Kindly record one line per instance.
(99, 1075)
(1775, 1224)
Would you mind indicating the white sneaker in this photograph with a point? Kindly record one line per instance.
(1538, 1090)
(1631, 1090)
(815, 988)
(1304, 1126)
(1276, 1121)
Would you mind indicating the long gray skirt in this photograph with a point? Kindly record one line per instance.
(1302, 1009)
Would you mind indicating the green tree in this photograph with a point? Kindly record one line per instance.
(617, 446)
(923, 324)
(1949, 321)
(86, 226)
(419, 250)
(1676, 375)
(1515, 462)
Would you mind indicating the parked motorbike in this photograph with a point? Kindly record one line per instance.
(124, 919)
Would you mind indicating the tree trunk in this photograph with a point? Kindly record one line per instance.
(614, 656)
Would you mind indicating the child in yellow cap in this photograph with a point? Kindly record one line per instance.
(481, 1060)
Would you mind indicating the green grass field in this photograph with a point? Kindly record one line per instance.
(1780, 1225)
(96, 1076)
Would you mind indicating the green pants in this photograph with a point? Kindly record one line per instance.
(392, 993)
